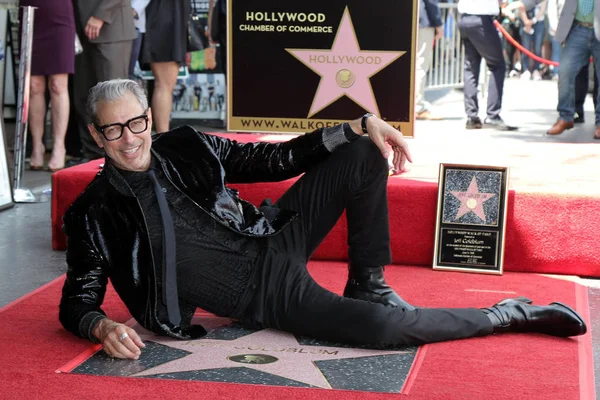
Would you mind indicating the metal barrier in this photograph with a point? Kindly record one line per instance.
(447, 69)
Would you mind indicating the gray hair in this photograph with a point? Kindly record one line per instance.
(113, 90)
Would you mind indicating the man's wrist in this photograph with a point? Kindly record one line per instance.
(355, 126)
(97, 328)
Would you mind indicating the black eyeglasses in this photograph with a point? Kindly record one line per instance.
(114, 131)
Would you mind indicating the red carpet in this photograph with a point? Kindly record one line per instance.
(508, 366)
(553, 210)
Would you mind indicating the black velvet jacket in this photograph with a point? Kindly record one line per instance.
(107, 236)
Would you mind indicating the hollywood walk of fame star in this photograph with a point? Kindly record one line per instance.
(472, 200)
(345, 69)
(294, 361)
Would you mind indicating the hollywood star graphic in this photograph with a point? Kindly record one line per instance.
(472, 200)
(271, 351)
(345, 69)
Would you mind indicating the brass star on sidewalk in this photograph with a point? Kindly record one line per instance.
(268, 350)
(345, 69)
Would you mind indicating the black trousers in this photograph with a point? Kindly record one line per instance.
(481, 40)
(354, 179)
(98, 62)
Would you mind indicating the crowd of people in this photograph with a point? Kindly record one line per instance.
(547, 31)
(114, 39)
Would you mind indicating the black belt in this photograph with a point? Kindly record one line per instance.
(584, 24)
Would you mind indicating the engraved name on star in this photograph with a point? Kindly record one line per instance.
(472, 200)
(294, 361)
(345, 69)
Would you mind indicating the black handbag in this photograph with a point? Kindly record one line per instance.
(195, 33)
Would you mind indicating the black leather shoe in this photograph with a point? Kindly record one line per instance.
(368, 283)
(556, 319)
(499, 124)
(473, 123)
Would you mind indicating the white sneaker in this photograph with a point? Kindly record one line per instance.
(525, 76)
(513, 74)
(537, 76)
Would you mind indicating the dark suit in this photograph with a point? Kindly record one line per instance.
(104, 58)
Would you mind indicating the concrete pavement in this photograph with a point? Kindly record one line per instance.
(530, 105)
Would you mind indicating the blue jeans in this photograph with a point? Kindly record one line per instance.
(536, 39)
(555, 55)
(579, 46)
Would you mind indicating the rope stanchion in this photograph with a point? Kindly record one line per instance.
(523, 49)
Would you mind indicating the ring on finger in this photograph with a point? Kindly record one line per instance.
(123, 336)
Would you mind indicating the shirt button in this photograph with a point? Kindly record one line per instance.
(164, 190)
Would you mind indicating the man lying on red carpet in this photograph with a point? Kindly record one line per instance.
(161, 224)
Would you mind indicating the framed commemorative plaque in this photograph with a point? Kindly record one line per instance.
(471, 218)
(298, 66)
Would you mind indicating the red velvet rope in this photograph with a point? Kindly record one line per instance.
(523, 49)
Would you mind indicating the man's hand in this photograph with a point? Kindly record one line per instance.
(92, 29)
(384, 136)
(118, 340)
(439, 32)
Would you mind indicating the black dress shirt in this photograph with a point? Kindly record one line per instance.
(214, 269)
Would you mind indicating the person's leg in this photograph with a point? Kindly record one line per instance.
(526, 40)
(136, 47)
(59, 99)
(165, 78)
(574, 56)
(354, 178)
(469, 25)
(223, 44)
(37, 120)
(288, 299)
(424, 56)
(83, 80)
(538, 41)
(596, 69)
(509, 48)
(595, 90)
(112, 60)
(555, 56)
(489, 45)
(103, 61)
(581, 90)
